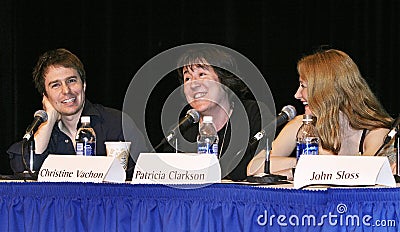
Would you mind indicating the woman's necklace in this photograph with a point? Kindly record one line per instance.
(225, 130)
(223, 139)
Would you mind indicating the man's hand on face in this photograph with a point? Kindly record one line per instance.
(52, 113)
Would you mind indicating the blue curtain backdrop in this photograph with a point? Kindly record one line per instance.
(219, 207)
(115, 38)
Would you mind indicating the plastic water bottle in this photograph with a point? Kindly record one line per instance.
(85, 138)
(207, 140)
(307, 141)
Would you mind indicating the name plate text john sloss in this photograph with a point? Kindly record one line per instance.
(343, 171)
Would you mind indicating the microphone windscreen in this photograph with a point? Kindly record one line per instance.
(42, 114)
(290, 111)
(194, 114)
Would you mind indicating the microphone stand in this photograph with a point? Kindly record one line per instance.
(163, 141)
(176, 145)
(29, 173)
(267, 177)
(31, 154)
(166, 140)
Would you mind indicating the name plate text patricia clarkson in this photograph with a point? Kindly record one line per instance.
(76, 168)
(176, 168)
(343, 171)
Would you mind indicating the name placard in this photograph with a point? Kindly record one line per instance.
(75, 168)
(176, 168)
(343, 170)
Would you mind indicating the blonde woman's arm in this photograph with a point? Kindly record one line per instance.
(283, 145)
(285, 142)
(373, 140)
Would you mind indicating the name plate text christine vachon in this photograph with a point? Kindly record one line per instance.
(75, 168)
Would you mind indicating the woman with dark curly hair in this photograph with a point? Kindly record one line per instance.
(212, 87)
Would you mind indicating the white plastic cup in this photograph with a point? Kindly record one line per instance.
(119, 150)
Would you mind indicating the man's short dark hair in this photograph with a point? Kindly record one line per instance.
(58, 57)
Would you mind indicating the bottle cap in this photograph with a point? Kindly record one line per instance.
(207, 119)
(307, 118)
(85, 119)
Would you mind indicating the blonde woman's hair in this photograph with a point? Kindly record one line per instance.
(335, 84)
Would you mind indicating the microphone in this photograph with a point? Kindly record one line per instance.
(390, 135)
(287, 113)
(192, 116)
(40, 116)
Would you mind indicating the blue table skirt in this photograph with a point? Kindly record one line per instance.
(220, 207)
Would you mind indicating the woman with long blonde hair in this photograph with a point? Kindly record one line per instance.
(349, 118)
